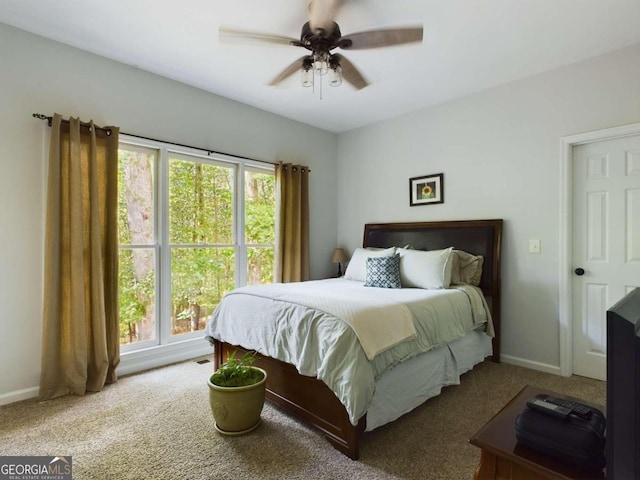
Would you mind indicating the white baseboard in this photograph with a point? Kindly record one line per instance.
(523, 362)
(159, 356)
(134, 362)
(19, 395)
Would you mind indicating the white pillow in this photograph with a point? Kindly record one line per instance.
(357, 268)
(425, 269)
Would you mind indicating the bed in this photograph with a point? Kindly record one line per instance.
(359, 400)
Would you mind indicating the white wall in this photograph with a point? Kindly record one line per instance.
(41, 76)
(500, 154)
(499, 151)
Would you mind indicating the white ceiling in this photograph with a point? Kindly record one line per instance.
(469, 45)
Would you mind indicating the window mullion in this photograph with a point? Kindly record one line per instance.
(164, 311)
(239, 216)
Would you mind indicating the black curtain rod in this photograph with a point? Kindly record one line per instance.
(210, 152)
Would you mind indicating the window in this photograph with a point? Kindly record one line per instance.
(191, 229)
(259, 201)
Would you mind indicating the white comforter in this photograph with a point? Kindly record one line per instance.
(305, 331)
(378, 321)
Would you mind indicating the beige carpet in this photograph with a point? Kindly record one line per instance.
(157, 425)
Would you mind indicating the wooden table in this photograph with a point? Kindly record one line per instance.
(502, 458)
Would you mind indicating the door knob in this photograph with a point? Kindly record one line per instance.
(579, 271)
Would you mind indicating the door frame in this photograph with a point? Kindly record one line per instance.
(565, 305)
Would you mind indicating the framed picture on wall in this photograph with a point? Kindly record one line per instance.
(426, 190)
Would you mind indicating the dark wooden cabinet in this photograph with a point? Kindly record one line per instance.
(502, 458)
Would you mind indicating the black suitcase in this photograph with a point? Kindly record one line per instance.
(575, 440)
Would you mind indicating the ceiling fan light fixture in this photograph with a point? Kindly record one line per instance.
(335, 77)
(335, 72)
(307, 72)
(307, 78)
(321, 63)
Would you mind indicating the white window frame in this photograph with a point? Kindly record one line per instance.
(143, 353)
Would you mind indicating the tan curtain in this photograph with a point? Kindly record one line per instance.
(80, 340)
(292, 223)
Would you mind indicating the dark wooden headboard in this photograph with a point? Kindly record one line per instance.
(479, 237)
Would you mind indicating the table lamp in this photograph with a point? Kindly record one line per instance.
(339, 256)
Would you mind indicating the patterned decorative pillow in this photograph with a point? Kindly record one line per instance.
(383, 272)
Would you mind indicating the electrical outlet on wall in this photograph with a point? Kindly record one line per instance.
(534, 246)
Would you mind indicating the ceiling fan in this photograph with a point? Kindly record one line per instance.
(321, 35)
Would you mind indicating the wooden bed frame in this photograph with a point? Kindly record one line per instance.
(309, 398)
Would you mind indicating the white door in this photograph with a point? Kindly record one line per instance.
(606, 242)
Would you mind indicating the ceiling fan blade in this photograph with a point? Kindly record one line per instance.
(381, 38)
(322, 15)
(231, 35)
(350, 73)
(287, 72)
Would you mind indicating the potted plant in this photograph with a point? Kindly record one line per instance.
(236, 395)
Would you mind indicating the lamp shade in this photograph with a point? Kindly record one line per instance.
(339, 256)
